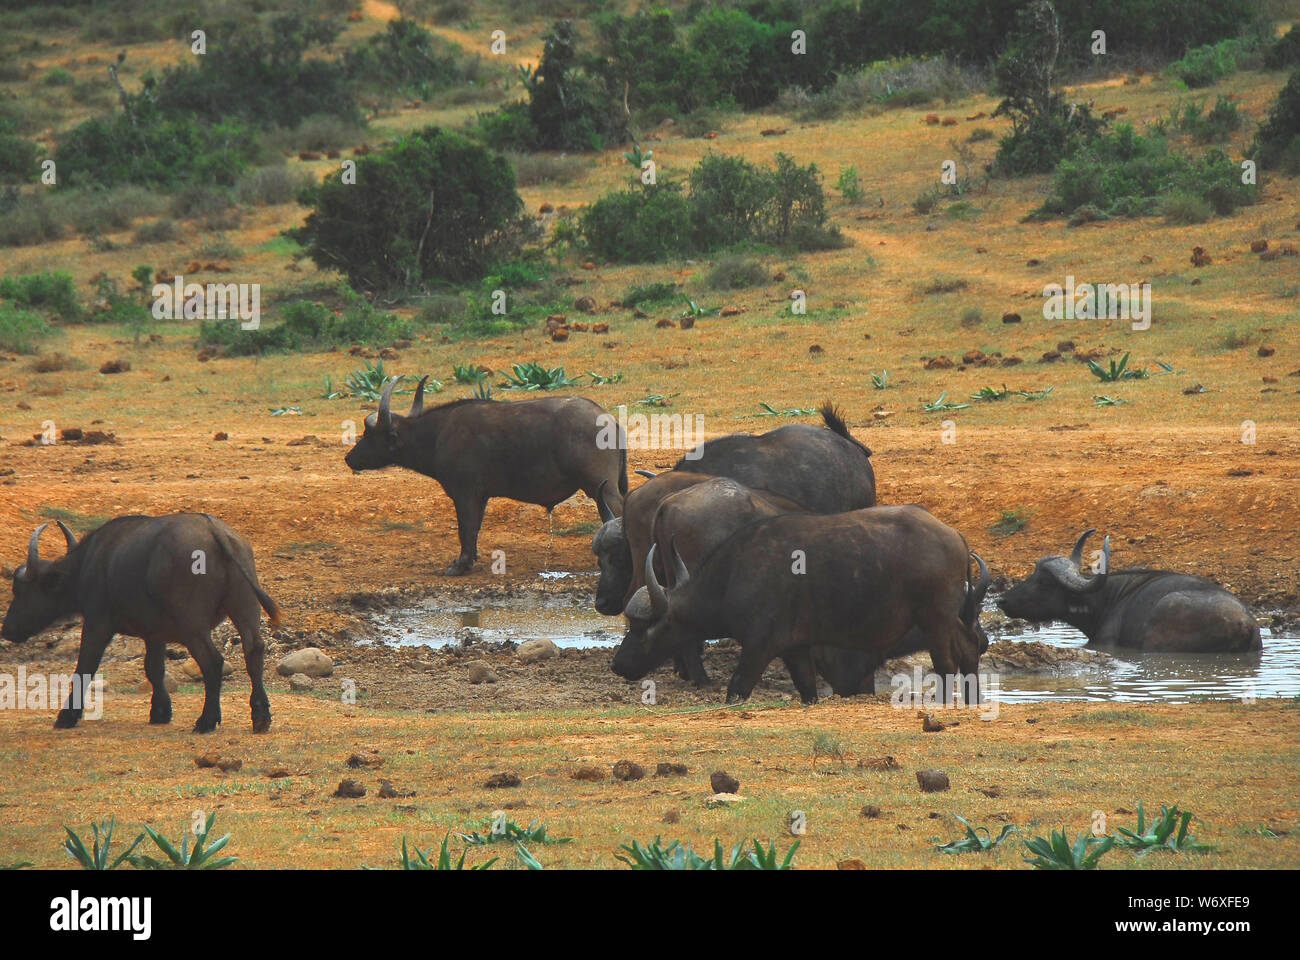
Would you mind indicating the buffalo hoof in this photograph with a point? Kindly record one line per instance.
(66, 720)
(205, 724)
(734, 697)
(161, 715)
(262, 724)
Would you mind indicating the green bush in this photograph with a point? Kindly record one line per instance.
(51, 293)
(21, 331)
(305, 325)
(1277, 142)
(19, 158)
(1214, 126)
(1184, 207)
(736, 273)
(434, 206)
(1126, 174)
(1285, 52)
(639, 225)
(728, 196)
(1202, 66)
(405, 57)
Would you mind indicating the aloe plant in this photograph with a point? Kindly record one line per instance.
(770, 411)
(1168, 832)
(511, 832)
(416, 859)
(1117, 371)
(973, 842)
(1057, 854)
(470, 373)
(992, 393)
(97, 857)
(941, 405)
(534, 376)
(693, 309)
(602, 380)
(655, 856)
(201, 857)
(880, 380)
(1102, 400)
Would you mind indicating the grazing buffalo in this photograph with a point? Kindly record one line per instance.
(780, 586)
(536, 451)
(1153, 610)
(823, 470)
(164, 579)
(826, 470)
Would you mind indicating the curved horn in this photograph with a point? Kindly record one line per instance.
(1069, 576)
(34, 549)
(417, 405)
(658, 599)
(1076, 555)
(68, 535)
(385, 419)
(975, 594)
(606, 514)
(646, 473)
(680, 573)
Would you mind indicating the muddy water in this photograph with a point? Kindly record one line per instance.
(568, 620)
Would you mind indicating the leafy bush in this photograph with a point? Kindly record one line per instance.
(641, 225)
(433, 206)
(897, 82)
(735, 273)
(305, 325)
(1277, 142)
(728, 196)
(271, 185)
(19, 158)
(52, 293)
(1126, 174)
(21, 330)
(1213, 126)
(1285, 52)
(1202, 66)
(1183, 207)
(404, 57)
(649, 293)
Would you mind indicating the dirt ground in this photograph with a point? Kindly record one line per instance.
(1201, 480)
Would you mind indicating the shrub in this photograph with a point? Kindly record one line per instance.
(405, 57)
(21, 331)
(1214, 126)
(19, 158)
(728, 195)
(433, 206)
(1126, 174)
(532, 169)
(735, 273)
(271, 185)
(1184, 207)
(160, 231)
(649, 293)
(1202, 66)
(306, 325)
(1277, 142)
(640, 225)
(898, 82)
(52, 293)
(1285, 52)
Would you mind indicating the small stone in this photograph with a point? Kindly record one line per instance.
(1010, 318)
(932, 781)
(356, 761)
(221, 435)
(723, 800)
(1265, 350)
(500, 781)
(930, 725)
(869, 812)
(300, 683)
(480, 672)
(671, 770)
(723, 782)
(206, 760)
(388, 792)
(589, 772)
(531, 651)
(115, 366)
(311, 660)
(585, 304)
(672, 816)
(853, 864)
(628, 770)
(350, 789)
(229, 764)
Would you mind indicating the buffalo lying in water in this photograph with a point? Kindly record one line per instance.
(780, 586)
(536, 451)
(1153, 610)
(164, 579)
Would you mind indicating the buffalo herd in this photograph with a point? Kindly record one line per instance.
(773, 540)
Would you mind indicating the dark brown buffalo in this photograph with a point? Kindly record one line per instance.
(858, 580)
(1153, 610)
(536, 451)
(164, 579)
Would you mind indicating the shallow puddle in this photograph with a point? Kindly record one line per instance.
(569, 621)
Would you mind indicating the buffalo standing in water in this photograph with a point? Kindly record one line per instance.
(1153, 610)
(164, 579)
(536, 451)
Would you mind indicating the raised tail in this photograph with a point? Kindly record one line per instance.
(835, 424)
(270, 606)
(622, 468)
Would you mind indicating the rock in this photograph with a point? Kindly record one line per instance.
(1258, 246)
(115, 366)
(687, 323)
(278, 773)
(938, 363)
(480, 672)
(311, 660)
(731, 311)
(500, 781)
(585, 304)
(878, 763)
(531, 651)
(229, 764)
(930, 725)
(932, 781)
(671, 770)
(300, 683)
(1010, 318)
(723, 800)
(221, 435)
(388, 792)
(628, 770)
(815, 350)
(853, 864)
(350, 789)
(723, 782)
(869, 812)
(672, 816)
(192, 671)
(356, 761)
(1265, 350)
(589, 772)
(206, 760)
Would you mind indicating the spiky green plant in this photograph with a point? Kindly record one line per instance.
(880, 380)
(1117, 371)
(1057, 854)
(470, 373)
(657, 400)
(655, 856)
(1033, 394)
(941, 405)
(991, 394)
(1102, 400)
(97, 857)
(1168, 832)
(534, 376)
(693, 309)
(511, 832)
(602, 380)
(202, 857)
(770, 411)
(416, 859)
(973, 842)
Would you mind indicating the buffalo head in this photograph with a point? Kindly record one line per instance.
(42, 590)
(1056, 588)
(380, 445)
(654, 633)
(614, 558)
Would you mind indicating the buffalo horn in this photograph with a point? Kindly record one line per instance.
(68, 535)
(34, 550)
(1076, 555)
(646, 473)
(606, 514)
(658, 599)
(417, 405)
(385, 419)
(680, 573)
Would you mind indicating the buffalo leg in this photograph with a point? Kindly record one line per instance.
(94, 640)
(211, 662)
(803, 673)
(155, 669)
(689, 665)
(748, 671)
(249, 624)
(469, 519)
